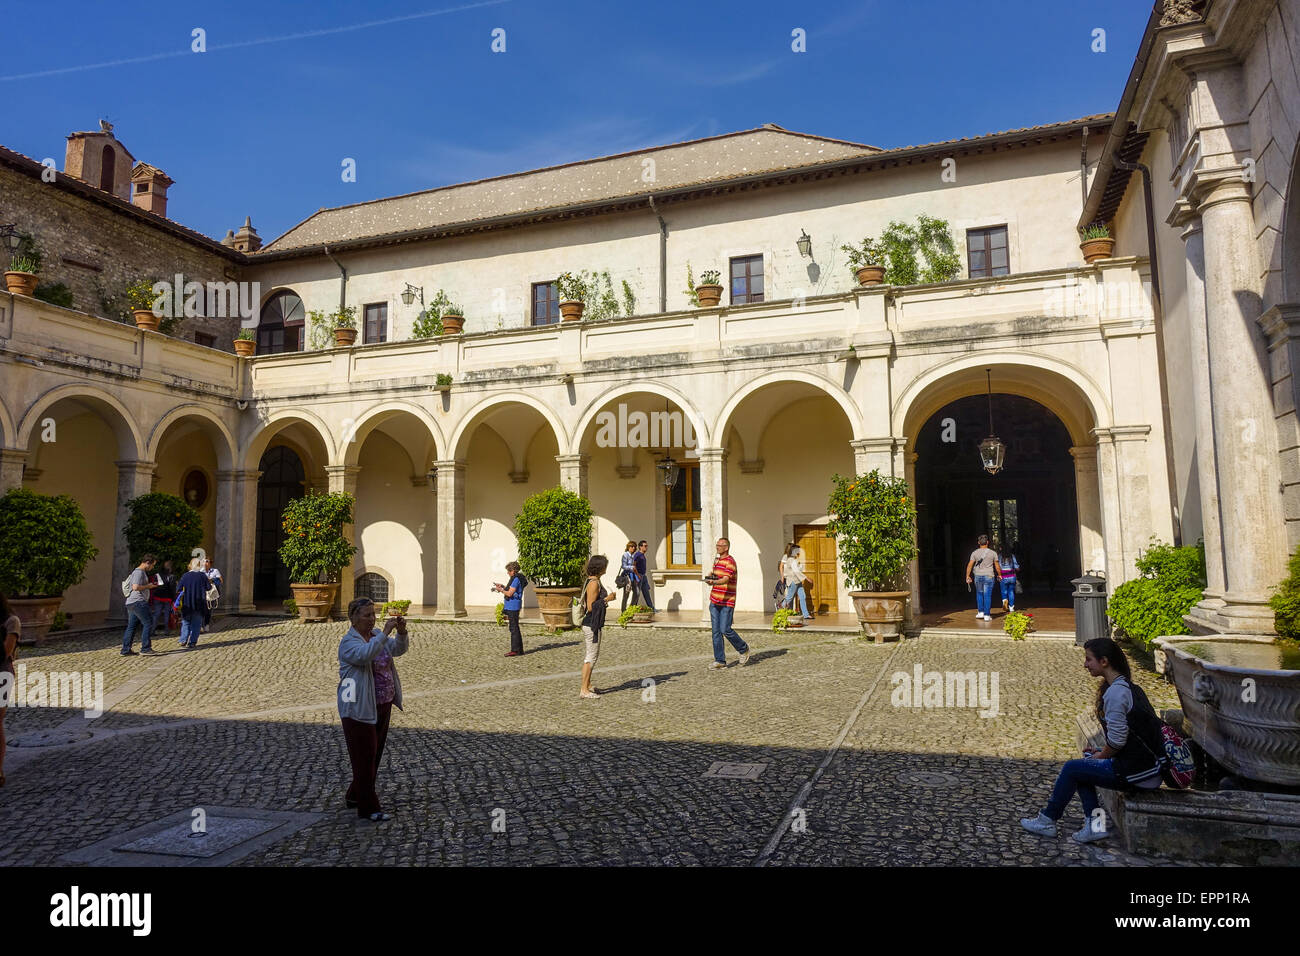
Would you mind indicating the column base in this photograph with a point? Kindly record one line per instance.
(1228, 616)
(450, 614)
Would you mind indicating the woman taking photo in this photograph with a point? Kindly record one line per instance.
(10, 632)
(1134, 755)
(368, 689)
(512, 603)
(594, 600)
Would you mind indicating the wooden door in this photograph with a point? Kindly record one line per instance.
(819, 564)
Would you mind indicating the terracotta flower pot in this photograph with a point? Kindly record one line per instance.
(708, 295)
(21, 283)
(315, 601)
(452, 324)
(643, 617)
(571, 310)
(554, 603)
(881, 613)
(1094, 249)
(144, 319)
(37, 615)
(245, 347)
(871, 275)
(344, 337)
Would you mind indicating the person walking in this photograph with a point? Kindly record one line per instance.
(1009, 568)
(137, 608)
(164, 596)
(722, 606)
(594, 601)
(192, 602)
(368, 689)
(1134, 754)
(513, 594)
(627, 579)
(214, 579)
(9, 635)
(643, 570)
(794, 579)
(984, 562)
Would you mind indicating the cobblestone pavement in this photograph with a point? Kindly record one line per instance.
(248, 720)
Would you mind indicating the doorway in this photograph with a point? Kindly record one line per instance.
(283, 480)
(819, 564)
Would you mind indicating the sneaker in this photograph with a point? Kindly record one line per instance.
(744, 658)
(1041, 825)
(129, 654)
(149, 652)
(979, 615)
(716, 665)
(1089, 835)
(1013, 609)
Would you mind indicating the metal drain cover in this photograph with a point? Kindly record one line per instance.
(926, 778)
(50, 738)
(221, 834)
(735, 771)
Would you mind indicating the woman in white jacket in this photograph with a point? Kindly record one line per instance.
(368, 689)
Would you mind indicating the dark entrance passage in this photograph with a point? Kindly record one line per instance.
(282, 480)
(1029, 505)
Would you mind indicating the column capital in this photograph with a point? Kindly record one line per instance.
(348, 471)
(578, 459)
(1118, 433)
(1084, 454)
(139, 466)
(449, 466)
(238, 475)
(1280, 324)
(712, 455)
(18, 455)
(1210, 187)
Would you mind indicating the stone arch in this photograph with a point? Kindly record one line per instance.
(223, 442)
(130, 440)
(375, 416)
(1291, 232)
(7, 430)
(702, 433)
(276, 422)
(458, 445)
(819, 382)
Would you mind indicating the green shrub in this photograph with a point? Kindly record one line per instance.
(1018, 624)
(1286, 601)
(873, 522)
(501, 615)
(246, 335)
(55, 293)
(931, 238)
(553, 530)
(625, 617)
(44, 544)
(781, 618)
(394, 607)
(429, 322)
(291, 607)
(164, 526)
(60, 622)
(443, 380)
(1098, 230)
(1172, 581)
(315, 549)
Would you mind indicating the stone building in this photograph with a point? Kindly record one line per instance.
(1130, 392)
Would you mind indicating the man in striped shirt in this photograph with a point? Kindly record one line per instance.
(722, 607)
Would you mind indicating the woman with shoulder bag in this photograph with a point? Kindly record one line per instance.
(794, 580)
(594, 600)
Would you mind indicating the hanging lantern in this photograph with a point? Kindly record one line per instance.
(992, 450)
(668, 470)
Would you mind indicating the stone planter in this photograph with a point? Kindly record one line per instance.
(245, 347)
(881, 613)
(871, 275)
(1094, 249)
(708, 295)
(571, 310)
(452, 324)
(315, 601)
(145, 319)
(37, 615)
(643, 617)
(21, 283)
(554, 603)
(1256, 734)
(343, 338)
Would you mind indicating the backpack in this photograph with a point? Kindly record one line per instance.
(1181, 766)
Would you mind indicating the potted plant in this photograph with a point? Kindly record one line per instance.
(345, 326)
(709, 292)
(443, 383)
(245, 342)
(141, 296)
(1018, 624)
(1096, 242)
(873, 522)
(867, 261)
(553, 531)
(635, 614)
(781, 619)
(428, 324)
(316, 550)
(44, 549)
(453, 319)
(165, 526)
(394, 607)
(501, 618)
(572, 290)
(21, 279)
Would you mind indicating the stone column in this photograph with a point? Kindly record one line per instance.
(11, 468)
(713, 513)
(573, 473)
(914, 608)
(1087, 496)
(1207, 472)
(1112, 526)
(451, 538)
(134, 478)
(1244, 435)
(870, 454)
(235, 537)
(343, 478)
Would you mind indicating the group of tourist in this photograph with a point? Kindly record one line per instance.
(151, 597)
(987, 568)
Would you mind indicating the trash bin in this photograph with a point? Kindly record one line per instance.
(1090, 607)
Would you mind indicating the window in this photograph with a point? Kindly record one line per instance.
(986, 252)
(746, 280)
(683, 514)
(546, 303)
(207, 341)
(373, 586)
(107, 162)
(376, 327)
(280, 327)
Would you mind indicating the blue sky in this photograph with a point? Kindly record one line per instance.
(261, 128)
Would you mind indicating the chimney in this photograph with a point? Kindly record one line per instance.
(247, 239)
(150, 184)
(230, 239)
(98, 159)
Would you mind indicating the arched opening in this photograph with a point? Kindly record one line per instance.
(1029, 506)
(280, 327)
(188, 453)
(107, 166)
(283, 479)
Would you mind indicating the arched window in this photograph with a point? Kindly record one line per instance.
(107, 165)
(373, 586)
(280, 327)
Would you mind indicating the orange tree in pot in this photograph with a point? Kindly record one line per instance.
(316, 550)
(553, 530)
(44, 549)
(873, 522)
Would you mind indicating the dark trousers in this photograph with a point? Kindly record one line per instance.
(365, 748)
(516, 635)
(646, 587)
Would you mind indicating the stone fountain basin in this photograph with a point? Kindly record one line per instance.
(1241, 703)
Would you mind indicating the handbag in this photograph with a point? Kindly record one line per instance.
(213, 596)
(577, 612)
(778, 593)
(621, 580)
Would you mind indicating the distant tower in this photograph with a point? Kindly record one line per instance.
(247, 239)
(97, 158)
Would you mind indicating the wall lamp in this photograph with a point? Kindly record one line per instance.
(410, 292)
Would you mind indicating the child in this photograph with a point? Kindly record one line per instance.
(1009, 566)
(514, 602)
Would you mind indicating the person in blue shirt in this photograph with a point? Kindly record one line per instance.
(513, 592)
